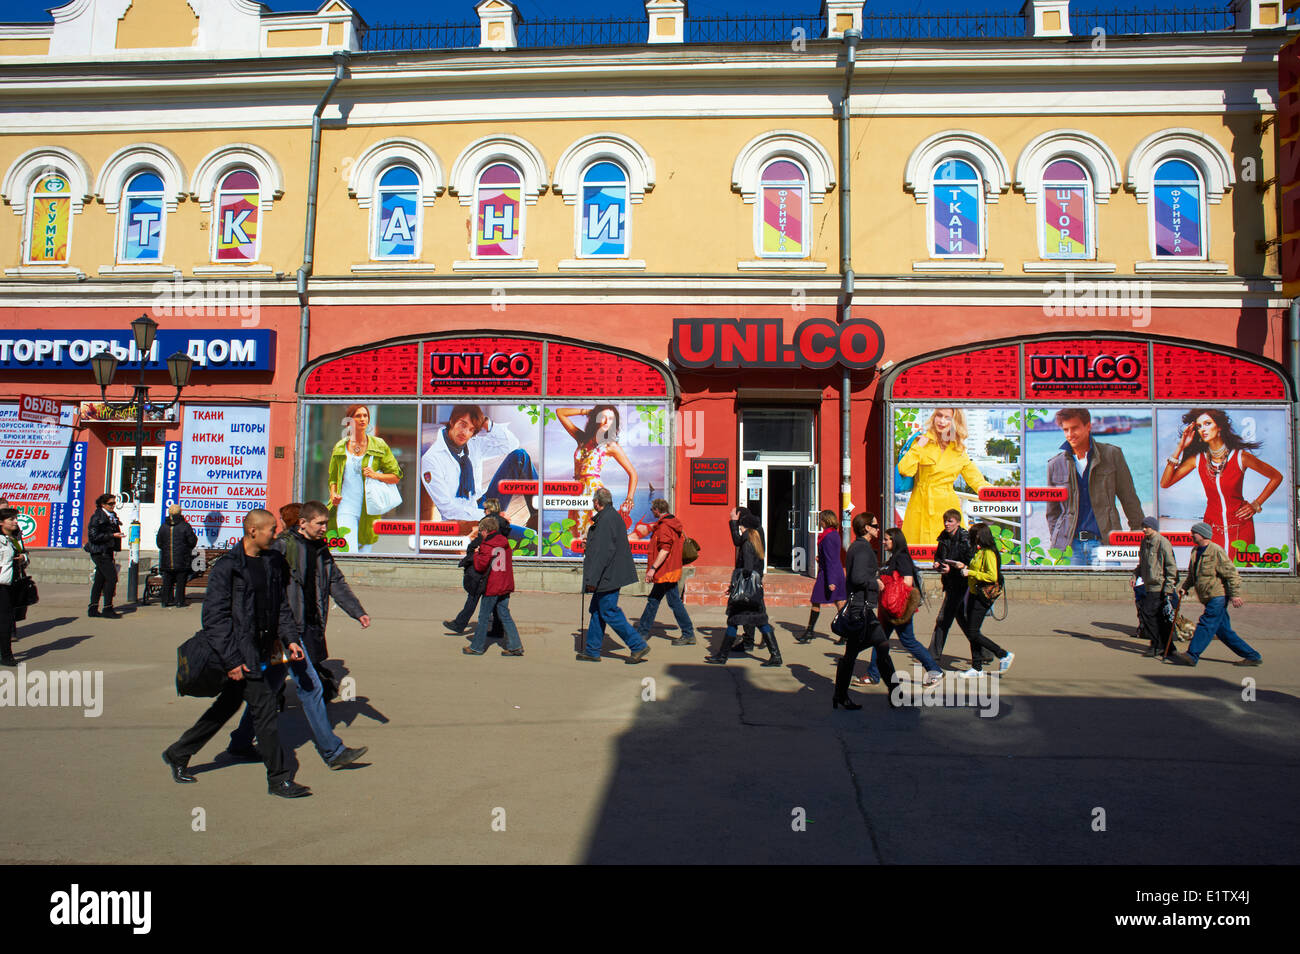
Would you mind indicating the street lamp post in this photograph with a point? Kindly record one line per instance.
(104, 366)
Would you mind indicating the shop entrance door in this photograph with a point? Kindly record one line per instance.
(122, 474)
(779, 484)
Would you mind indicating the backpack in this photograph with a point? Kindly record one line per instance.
(902, 484)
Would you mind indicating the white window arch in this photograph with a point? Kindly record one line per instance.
(478, 155)
(603, 175)
(1067, 173)
(499, 176)
(141, 184)
(238, 185)
(777, 162)
(216, 165)
(1179, 173)
(970, 147)
(957, 173)
(397, 216)
(47, 186)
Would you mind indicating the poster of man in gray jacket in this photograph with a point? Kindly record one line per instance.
(1095, 473)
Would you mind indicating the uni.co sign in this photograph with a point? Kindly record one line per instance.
(759, 343)
(1047, 371)
(451, 370)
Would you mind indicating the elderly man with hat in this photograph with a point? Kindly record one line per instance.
(1157, 574)
(1217, 583)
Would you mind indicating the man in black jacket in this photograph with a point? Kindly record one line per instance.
(607, 566)
(953, 545)
(248, 621)
(103, 540)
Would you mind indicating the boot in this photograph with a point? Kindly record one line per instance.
(775, 658)
(92, 610)
(724, 649)
(747, 640)
(811, 630)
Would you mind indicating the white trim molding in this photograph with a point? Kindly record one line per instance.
(213, 166)
(483, 152)
(623, 150)
(1085, 148)
(33, 164)
(780, 265)
(747, 171)
(1202, 151)
(1063, 266)
(363, 176)
(495, 265)
(602, 264)
(957, 265)
(127, 161)
(1173, 266)
(961, 144)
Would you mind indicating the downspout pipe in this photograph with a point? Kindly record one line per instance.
(341, 60)
(851, 38)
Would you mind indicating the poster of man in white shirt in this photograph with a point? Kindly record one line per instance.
(472, 453)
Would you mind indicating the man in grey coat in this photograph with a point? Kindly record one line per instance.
(1157, 574)
(607, 566)
(1095, 474)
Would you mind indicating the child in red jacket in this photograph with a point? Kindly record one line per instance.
(493, 557)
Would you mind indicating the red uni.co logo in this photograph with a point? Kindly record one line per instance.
(1121, 370)
(757, 343)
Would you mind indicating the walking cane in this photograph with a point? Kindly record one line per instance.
(582, 606)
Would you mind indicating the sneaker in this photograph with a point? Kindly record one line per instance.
(639, 655)
(453, 629)
(470, 652)
(1005, 662)
(583, 657)
(288, 789)
(931, 678)
(1256, 661)
(1181, 659)
(970, 673)
(512, 652)
(684, 641)
(347, 757)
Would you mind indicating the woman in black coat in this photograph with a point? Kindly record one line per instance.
(176, 543)
(745, 526)
(104, 538)
(863, 572)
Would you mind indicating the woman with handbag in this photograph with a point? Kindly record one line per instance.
(859, 616)
(12, 559)
(900, 562)
(103, 540)
(363, 481)
(745, 606)
(984, 580)
(829, 587)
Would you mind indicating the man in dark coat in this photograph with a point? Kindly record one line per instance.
(103, 540)
(953, 550)
(176, 542)
(248, 621)
(607, 566)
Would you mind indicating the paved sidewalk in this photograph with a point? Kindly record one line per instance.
(671, 760)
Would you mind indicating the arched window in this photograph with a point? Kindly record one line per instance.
(957, 219)
(1178, 211)
(397, 214)
(782, 215)
(143, 218)
(603, 219)
(1065, 225)
(499, 213)
(235, 235)
(49, 229)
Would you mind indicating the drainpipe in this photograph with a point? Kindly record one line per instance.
(851, 38)
(341, 58)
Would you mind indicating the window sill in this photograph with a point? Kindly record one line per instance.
(957, 265)
(1062, 266)
(390, 267)
(781, 265)
(45, 271)
(124, 269)
(603, 264)
(504, 265)
(1173, 266)
(233, 269)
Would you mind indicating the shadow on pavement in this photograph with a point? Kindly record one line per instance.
(27, 630)
(28, 653)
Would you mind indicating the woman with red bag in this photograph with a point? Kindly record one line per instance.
(900, 562)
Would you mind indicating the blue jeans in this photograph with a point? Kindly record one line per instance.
(659, 592)
(1083, 552)
(604, 610)
(312, 700)
(517, 465)
(906, 636)
(500, 605)
(1214, 622)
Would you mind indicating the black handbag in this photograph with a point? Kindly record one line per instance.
(852, 619)
(198, 671)
(25, 592)
(746, 589)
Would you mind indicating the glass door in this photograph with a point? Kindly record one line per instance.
(778, 483)
(127, 477)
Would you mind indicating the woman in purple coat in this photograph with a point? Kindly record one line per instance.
(829, 586)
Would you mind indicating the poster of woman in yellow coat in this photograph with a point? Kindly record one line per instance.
(934, 460)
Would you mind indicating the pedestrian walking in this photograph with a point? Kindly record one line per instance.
(983, 583)
(313, 578)
(750, 560)
(493, 559)
(103, 540)
(1217, 583)
(830, 586)
(247, 619)
(607, 566)
(900, 561)
(473, 581)
(862, 570)
(953, 547)
(12, 559)
(664, 572)
(1156, 574)
(176, 542)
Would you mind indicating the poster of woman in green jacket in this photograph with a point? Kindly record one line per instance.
(359, 456)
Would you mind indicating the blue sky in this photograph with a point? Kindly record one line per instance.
(451, 11)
